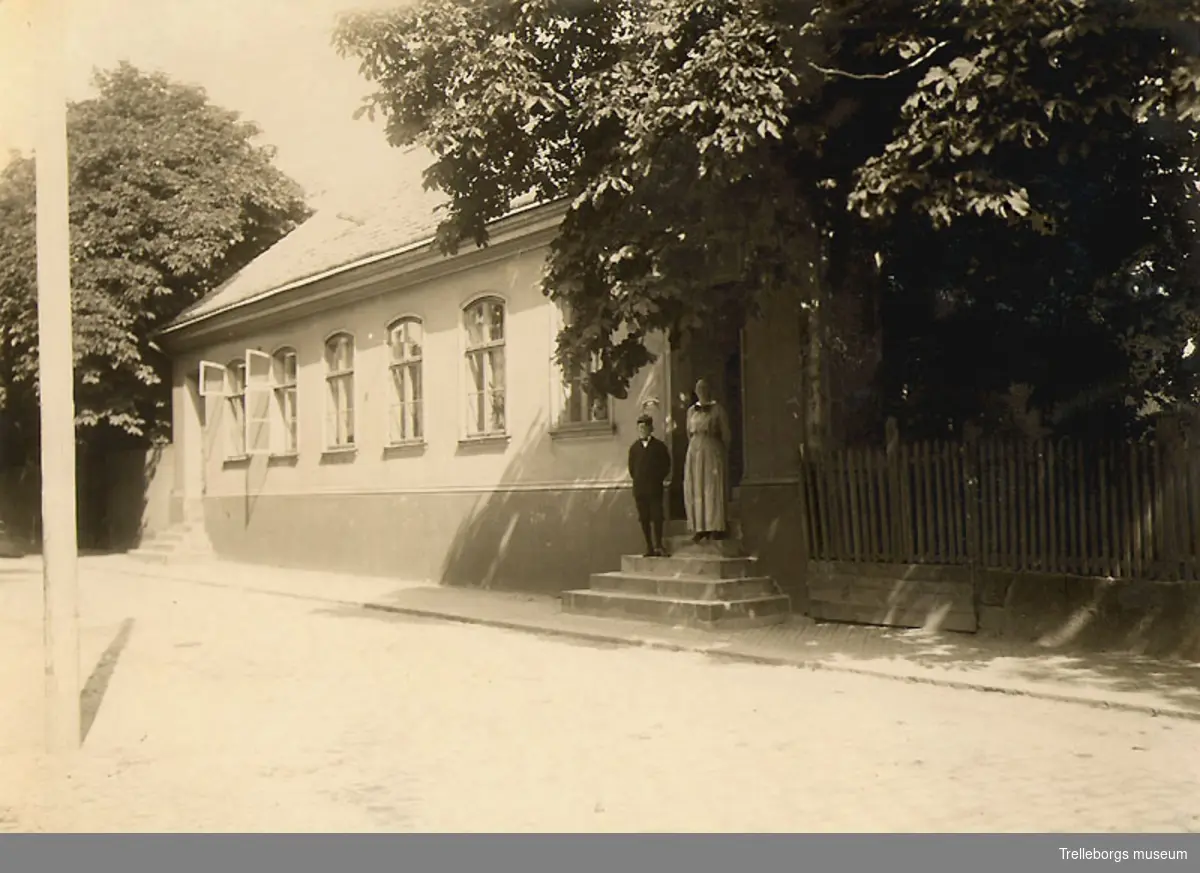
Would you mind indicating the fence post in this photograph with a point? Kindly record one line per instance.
(1169, 440)
(895, 505)
(970, 445)
(810, 534)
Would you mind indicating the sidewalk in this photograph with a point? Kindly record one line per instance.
(1107, 680)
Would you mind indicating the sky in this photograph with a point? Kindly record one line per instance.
(271, 60)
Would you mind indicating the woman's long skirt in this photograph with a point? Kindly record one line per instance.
(705, 484)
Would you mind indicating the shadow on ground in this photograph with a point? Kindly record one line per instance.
(92, 695)
(964, 657)
(1176, 681)
(390, 616)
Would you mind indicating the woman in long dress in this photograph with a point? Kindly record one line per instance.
(706, 467)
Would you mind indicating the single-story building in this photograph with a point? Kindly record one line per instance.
(354, 400)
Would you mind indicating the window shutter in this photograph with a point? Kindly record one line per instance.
(212, 379)
(258, 402)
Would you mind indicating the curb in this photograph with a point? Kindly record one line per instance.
(696, 648)
(747, 657)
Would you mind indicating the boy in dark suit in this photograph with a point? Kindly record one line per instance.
(649, 465)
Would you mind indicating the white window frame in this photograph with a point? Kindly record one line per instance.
(258, 402)
(406, 395)
(336, 418)
(212, 379)
(484, 352)
(563, 382)
(286, 430)
(235, 408)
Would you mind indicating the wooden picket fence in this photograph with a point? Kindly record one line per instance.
(1126, 510)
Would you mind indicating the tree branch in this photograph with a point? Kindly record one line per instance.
(910, 65)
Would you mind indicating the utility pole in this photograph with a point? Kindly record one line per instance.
(56, 375)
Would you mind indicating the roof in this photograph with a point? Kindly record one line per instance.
(393, 210)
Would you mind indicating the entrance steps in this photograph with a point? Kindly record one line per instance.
(183, 543)
(713, 585)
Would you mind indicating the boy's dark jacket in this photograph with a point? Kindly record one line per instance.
(649, 465)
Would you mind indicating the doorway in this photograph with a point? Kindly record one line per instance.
(715, 355)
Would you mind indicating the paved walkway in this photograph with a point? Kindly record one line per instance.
(212, 706)
(956, 660)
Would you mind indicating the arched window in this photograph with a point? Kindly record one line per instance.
(284, 373)
(483, 325)
(339, 378)
(235, 402)
(405, 346)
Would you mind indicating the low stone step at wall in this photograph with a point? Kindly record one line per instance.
(706, 614)
(675, 566)
(173, 557)
(685, 587)
(724, 548)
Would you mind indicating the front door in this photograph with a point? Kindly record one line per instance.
(714, 355)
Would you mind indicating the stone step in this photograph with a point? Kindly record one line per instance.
(157, 545)
(188, 557)
(178, 532)
(162, 556)
(706, 614)
(707, 566)
(174, 545)
(685, 587)
(678, 527)
(723, 548)
(169, 548)
(164, 536)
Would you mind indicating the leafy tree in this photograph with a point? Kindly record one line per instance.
(664, 121)
(1051, 147)
(1014, 179)
(169, 197)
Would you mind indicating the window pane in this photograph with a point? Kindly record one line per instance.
(573, 407)
(405, 341)
(416, 393)
(415, 412)
(398, 380)
(237, 419)
(289, 368)
(289, 419)
(396, 423)
(496, 368)
(339, 354)
(474, 324)
(497, 409)
(341, 412)
(332, 416)
(237, 378)
(476, 409)
(497, 321)
(475, 368)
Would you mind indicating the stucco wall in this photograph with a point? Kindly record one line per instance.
(136, 493)
(773, 430)
(538, 510)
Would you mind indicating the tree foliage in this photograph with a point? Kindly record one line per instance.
(169, 197)
(1018, 177)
